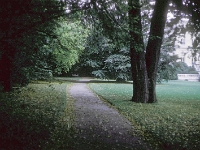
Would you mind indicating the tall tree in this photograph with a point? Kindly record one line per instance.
(144, 60)
(68, 45)
(137, 54)
(144, 66)
(20, 22)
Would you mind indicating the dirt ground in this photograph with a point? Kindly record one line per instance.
(97, 122)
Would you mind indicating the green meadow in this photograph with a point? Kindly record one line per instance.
(171, 123)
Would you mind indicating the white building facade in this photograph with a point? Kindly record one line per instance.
(183, 46)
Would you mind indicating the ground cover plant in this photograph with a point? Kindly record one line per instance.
(39, 116)
(171, 123)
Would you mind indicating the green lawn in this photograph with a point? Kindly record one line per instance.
(39, 116)
(172, 123)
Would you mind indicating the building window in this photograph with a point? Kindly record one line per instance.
(182, 41)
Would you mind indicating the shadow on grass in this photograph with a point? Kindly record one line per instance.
(29, 124)
(19, 130)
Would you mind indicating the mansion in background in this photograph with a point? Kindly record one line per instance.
(183, 46)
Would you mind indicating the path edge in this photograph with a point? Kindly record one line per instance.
(133, 123)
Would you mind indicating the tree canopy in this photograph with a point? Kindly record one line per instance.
(39, 38)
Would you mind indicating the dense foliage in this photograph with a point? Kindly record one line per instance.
(106, 56)
(24, 25)
(41, 38)
(69, 44)
(103, 59)
(37, 40)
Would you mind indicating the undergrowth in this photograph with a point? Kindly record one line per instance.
(39, 116)
(171, 123)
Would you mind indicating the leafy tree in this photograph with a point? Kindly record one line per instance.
(144, 60)
(170, 71)
(20, 34)
(103, 58)
(68, 45)
(183, 68)
(30, 67)
(118, 67)
(97, 49)
(112, 15)
(60, 51)
(37, 41)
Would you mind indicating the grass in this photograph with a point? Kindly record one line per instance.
(39, 116)
(171, 123)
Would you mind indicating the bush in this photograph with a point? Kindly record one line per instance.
(116, 67)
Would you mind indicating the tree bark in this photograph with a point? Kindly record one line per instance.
(6, 60)
(144, 67)
(154, 44)
(137, 54)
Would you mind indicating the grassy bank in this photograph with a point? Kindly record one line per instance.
(39, 116)
(171, 123)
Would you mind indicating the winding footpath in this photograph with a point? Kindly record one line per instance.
(95, 121)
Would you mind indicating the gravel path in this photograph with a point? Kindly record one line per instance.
(95, 121)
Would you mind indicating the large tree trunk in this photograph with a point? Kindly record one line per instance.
(139, 72)
(6, 74)
(6, 60)
(144, 69)
(154, 44)
(140, 79)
